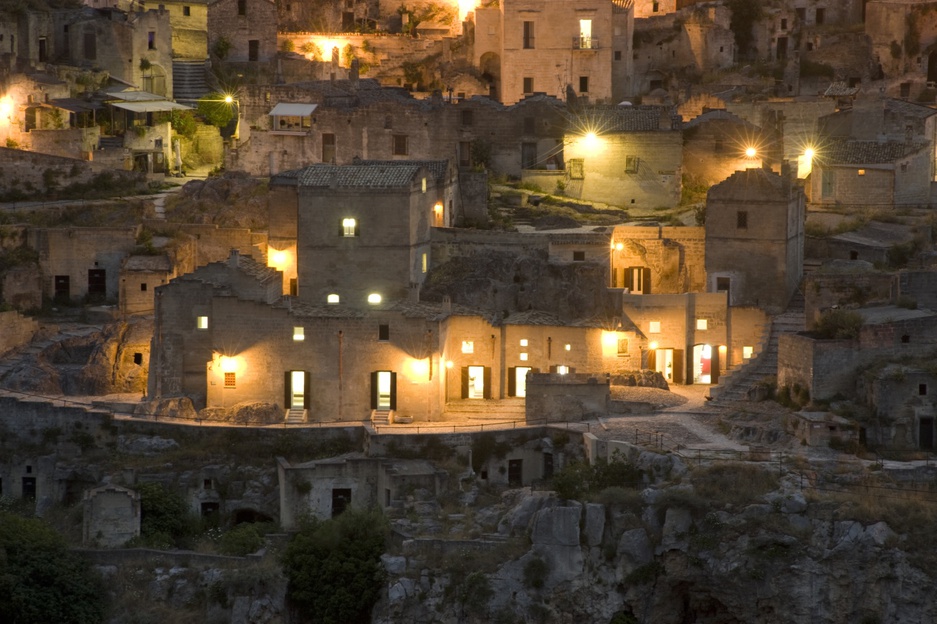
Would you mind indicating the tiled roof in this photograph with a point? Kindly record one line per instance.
(748, 180)
(719, 114)
(533, 317)
(438, 168)
(909, 109)
(260, 272)
(359, 176)
(604, 119)
(849, 152)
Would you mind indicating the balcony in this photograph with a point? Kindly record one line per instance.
(585, 43)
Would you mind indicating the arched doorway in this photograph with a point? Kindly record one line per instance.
(490, 66)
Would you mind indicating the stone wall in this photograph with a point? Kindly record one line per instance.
(921, 286)
(30, 171)
(675, 257)
(255, 30)
(823, 291)
(565, 398)
(17, 330)
(68, 143)
(22, 287)
(111, 516)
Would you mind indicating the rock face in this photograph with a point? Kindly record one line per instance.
(781, 561)
(231, 200)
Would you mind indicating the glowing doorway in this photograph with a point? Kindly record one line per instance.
(297, 389)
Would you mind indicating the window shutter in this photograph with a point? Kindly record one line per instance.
(512, 381)
(393, 391)
(287, 390)
(651, 359)
(629, 278)
(678, 371)
(357, 228)
(374, 390)
(341, 229)
(487, 378)
(307, 389)
(714, 373)
(465, 382)
(646, 281)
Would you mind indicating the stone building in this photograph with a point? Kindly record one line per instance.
(904, 34)
(555, 47)
(139, 276)
(658, 259)
(245, 29)
(903, 411)
(134, 47)
(625, 156)
(111, 516)
(189, 21)
(716, 144)
(759, 216)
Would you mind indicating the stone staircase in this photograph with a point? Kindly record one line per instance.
(110, 142)
(466, 410)
(735, 386)
(189, 81)
(295, 416)
(380, 417)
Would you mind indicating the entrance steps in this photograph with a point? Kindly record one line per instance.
(295, 416)
(486, 409)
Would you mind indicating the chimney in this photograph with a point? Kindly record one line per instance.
(234, 258)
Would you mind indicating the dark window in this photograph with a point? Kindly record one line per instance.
(631, 164)
(29, 488)
(783, 24)
(43, 52)
(722, 284)
(853, 255)
(528, 85)
(187, 11)
(328, 148)
(341, 499)
(802, 14)
(905, 89)
(253, 50)
(151, 40)
(242, 7)
(97, 283)
(91, 46)
(922, 389)
(583, 84)
(143, 287)
(211, 510)
(467, 118)
(655, 7)
(138, 358)
(617, 55)
(383, 332)
(547, 465)
(401, 147)
(906, 339)
(515, 471)
(579, 256)
(528, 35)
(741, 219)
(206, 484)
(821, 14)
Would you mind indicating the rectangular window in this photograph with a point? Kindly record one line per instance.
(741, 220)
(827, 183)
(579, 256)
(632, 163)
(242, 7)
(617, 55)
(747, 352)
(202, 322)
(468, 346)
(401, 148)
(622, 347)
(328, 148)
(528, 36)
(230, 380)
(299, 334)
(583, 84)
(783, 24)
(821, 16)
(143, 287)
(349, 227)
(922, 389)
(187, 11)
(253, 50)
(702, 324)
(424, 263)
(468, 118)
(523, 357)
(585, 34)
(528, 85)
(524, 342)
(383, 332)
(528, 155)
(653, 327)
(861, 172)
(151, 40)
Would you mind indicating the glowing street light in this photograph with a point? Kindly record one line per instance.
(750, 152)
(809, 153)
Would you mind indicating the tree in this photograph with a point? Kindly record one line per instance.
(164, 516)
(215, 110)
(334, 567)
(41, 581)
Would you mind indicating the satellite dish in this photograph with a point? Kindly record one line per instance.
(625, 103)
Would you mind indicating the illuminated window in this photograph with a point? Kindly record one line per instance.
(423, 185)
(568, 347)
(468, 346)
(374, 298)
(349, 227)
(632, 164)
(861, 172)
(230, 380)
(202, 322)
(747, 352)
(622, 347)
(333, 298)
(523, 357)
(653, 327)
(299, 334)
(524, 342)
(424, 263)
(702, 324)
(562, 370)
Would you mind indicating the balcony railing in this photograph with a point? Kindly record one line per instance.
(585, 43)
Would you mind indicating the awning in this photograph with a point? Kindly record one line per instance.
(150, 107)
(75, 105)
(285, 109)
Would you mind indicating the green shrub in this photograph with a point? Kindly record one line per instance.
(243, 539)
(535, 573)
(839, 325)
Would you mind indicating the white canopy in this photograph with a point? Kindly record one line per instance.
(150, 107)
(286, 109)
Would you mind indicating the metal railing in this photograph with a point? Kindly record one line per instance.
(585, 43)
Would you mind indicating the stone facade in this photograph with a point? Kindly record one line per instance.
(625, 156)
(715, 144)
(17, 330)
(902, 405)
(757, 215)
(248, 26)
(565, 398)
(189, 21)
(552, 46)
(111, 516)
(898, 48)
(840, 286)
(658, 260)
(139, 277)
